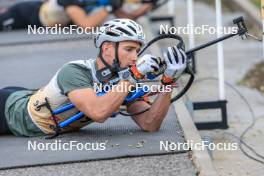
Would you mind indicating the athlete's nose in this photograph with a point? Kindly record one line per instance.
(134, 58)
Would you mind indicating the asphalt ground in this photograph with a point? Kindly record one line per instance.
(170, 165)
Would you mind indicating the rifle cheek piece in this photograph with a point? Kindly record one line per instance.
(135, 72)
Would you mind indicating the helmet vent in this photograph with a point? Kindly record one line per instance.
(132, 28)
(111, 34)
(124, 31)
(135, 25)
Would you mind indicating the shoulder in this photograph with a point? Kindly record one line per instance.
(73, 76)
(78, 66)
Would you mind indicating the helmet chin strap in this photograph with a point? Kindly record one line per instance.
(116, 64)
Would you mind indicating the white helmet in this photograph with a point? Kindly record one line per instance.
(118, 30)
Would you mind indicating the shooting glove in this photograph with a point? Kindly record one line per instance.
(176, 61)
(146, 64)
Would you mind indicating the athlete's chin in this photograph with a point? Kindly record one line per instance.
(125, 65)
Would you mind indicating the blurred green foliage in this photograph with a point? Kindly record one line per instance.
(256, 2)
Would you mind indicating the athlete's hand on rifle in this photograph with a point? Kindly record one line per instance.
(175, 59)
(146, 64)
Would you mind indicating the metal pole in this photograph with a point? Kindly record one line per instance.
(220, 51)
(190, 22)
(262, 13)
(202, 46)
(171, 7)
(263, 38)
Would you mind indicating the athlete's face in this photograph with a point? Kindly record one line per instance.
(127, 52)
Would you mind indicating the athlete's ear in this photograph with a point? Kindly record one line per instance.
(107, 48)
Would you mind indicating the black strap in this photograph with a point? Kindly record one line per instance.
(116, 64)
(116, 60)
(104, 62)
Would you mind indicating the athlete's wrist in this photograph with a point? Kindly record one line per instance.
(166, 80)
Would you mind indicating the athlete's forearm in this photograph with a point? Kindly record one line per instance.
(105, 105)
(158, 111)
(134, 14)
(96, 19)
(80, 18)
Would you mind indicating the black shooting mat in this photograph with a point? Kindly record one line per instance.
(122, 136)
